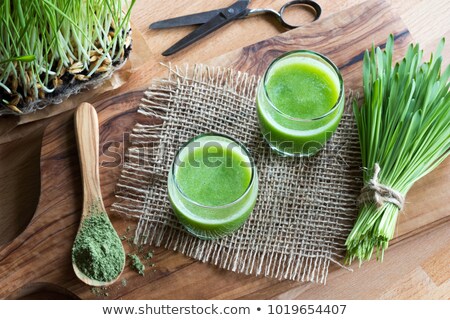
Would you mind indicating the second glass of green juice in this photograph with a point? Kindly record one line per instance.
(299, 102)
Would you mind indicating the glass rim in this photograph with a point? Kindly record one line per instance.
(327, 61)
(213, 134)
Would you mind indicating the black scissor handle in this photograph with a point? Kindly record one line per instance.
(312, 4)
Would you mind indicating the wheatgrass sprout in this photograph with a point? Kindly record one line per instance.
(49, 45)
(404, 131)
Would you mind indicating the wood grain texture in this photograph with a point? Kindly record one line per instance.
(427, 21)
(39, 258)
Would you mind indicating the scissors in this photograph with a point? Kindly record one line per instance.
(210, 21)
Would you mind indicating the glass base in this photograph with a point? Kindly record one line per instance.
(205, 235)
(287, 154)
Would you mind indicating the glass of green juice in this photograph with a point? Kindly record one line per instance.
(212, 185)
(299, 102)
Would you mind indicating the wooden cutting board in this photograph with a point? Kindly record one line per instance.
(39, 259)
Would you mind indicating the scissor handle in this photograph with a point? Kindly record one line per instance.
(279, 15)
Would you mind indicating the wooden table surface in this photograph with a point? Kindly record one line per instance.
(418, 265)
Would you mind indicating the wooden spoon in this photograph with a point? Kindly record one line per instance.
(86, 130)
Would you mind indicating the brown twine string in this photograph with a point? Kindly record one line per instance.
(375, 192)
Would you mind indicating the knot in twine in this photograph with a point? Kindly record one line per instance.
(375, 192)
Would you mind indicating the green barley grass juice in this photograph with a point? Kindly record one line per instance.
(300, 101)
(212, 185)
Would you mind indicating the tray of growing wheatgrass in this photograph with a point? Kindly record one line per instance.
(154, 272)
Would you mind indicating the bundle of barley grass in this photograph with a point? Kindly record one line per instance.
(404, 131)
(49, 47)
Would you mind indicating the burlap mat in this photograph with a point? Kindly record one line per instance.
(305, 208)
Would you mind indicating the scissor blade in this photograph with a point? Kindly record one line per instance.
(223, 17)
(188, 20)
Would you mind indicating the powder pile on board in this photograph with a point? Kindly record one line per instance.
(136, 264)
